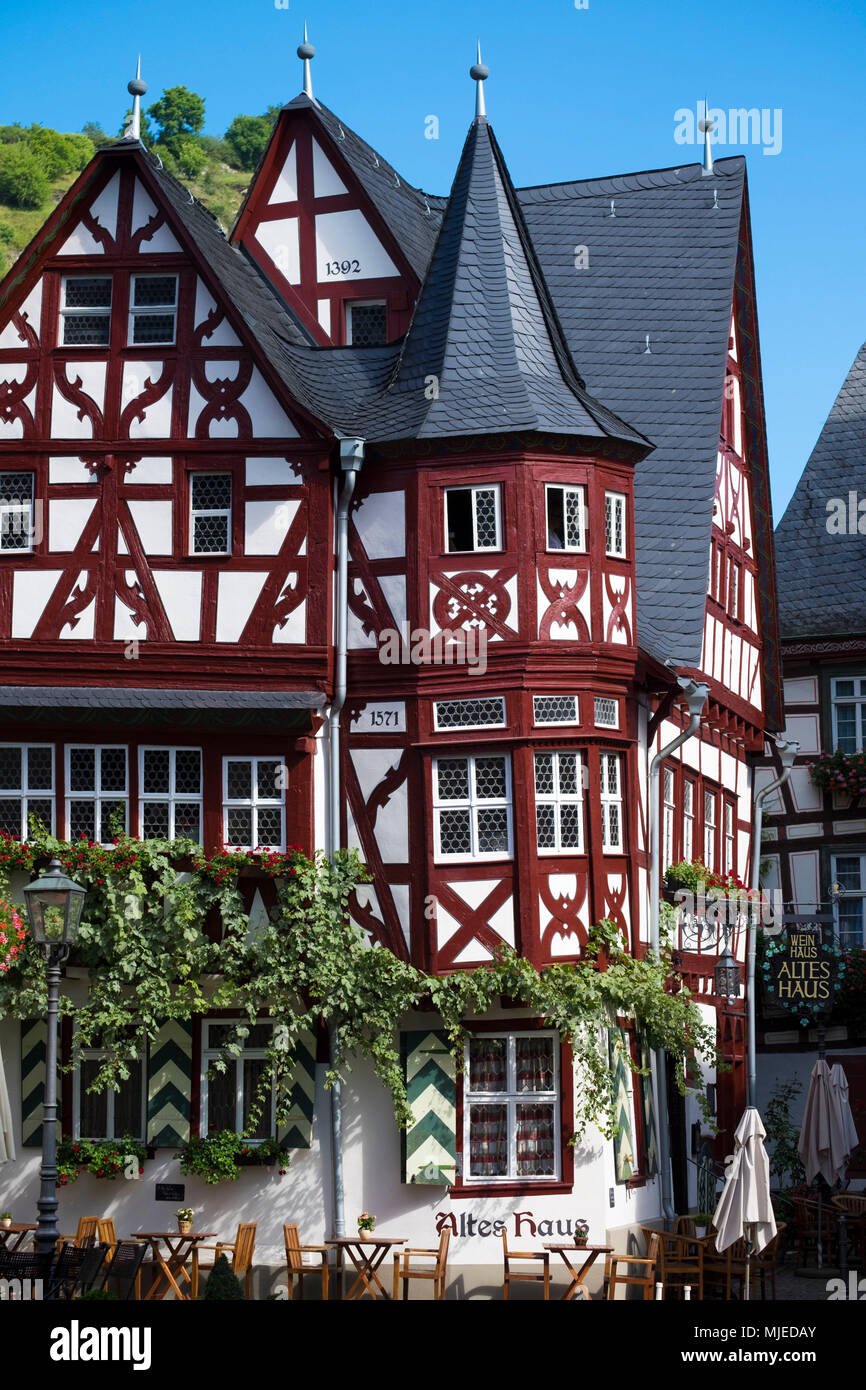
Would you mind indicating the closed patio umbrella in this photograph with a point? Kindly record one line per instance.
(827, 1135)
(745, 1211)
(7, 1143)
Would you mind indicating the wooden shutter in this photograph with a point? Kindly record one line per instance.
(297, 1132)
(430, 1142)
(169, 1084)
(623, 1144)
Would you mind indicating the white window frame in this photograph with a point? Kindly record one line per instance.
(25, 794)
(612, 502)
(473, 804)
(172, 797)
(98, 795)
(23, 510)
(610, 844)
(558, 799)
(849, 894)
(210, 511)
(475, 489)
(152, 310)
(689, 787)
(457, 728)
(858, 700)
(511, 1098)
(211, 1054)
(711, 799)
(669, 811)
(103, 311)
(255, 802)
(352, 304)
(99, 1054)
(729, 837)
(615, 702)
(580, 492)
(554, 723)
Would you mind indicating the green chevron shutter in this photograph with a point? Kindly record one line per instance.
(623, 1144)
(34, 1037)
(297, 1132)
(169, 1083)
(430, 1142)
(649, 1116)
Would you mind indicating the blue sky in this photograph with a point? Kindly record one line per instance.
(572, 93)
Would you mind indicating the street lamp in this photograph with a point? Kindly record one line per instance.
(54, 905)
(726, 975)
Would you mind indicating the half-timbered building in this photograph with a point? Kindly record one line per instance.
(542, 409)
(814, 843)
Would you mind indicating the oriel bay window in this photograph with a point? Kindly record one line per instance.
(472, 806)
(231, 1091)
(511, 1111)
(564, 516)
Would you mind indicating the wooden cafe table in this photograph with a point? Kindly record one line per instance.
(181, 1250)
(366, 1254)
(590, 1254)
(12, 1236)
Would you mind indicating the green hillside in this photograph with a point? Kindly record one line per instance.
(38, 165)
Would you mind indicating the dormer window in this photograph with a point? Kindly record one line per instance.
(152, 309)
(85, 311)
(472, 518)
(367, 324)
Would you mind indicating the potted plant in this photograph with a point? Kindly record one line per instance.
(5, 1218)
(184, 1220)
(702, 1222)
(581, 1231)
(366, 1224)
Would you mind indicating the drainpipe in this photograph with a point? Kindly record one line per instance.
(351, 461)
(788, 750)
(695, 694)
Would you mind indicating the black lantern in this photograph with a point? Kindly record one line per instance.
(54, 906)
(727, 975)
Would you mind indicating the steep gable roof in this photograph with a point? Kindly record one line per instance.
(821, 574)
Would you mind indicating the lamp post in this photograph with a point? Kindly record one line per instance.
(54, 905)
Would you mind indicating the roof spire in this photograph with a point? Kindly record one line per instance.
(306, 51)
(480, 73)
(136, 89)
(707, 126)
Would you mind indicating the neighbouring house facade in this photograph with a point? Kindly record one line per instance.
(549, 403)
(815, 840)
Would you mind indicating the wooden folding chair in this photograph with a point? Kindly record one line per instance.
(297, 1267)
(403, 1268)
(680, 1260)
(646, 1280)
(242, 1248)
(510, 1277)
(84, 1236)
(764, 1264)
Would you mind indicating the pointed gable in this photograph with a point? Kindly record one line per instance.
(821, 539)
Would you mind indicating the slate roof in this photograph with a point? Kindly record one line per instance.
(150, 697)
(821, 576)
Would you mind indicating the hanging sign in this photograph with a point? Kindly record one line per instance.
(801, 971)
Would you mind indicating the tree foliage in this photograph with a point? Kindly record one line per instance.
(248, 137)
(23, 180)
(178, 112)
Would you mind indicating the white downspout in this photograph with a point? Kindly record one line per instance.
(351, 461)
(695, 694)
(788, 750)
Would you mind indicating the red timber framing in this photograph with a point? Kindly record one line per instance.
(297, 270)
(228, 409)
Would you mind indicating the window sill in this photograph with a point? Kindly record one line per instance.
(510, 1187)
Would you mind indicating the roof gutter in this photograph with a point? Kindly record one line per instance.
(351, 462)
(788, 750)
(695, 693)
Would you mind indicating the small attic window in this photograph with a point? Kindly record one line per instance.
(367, 324)
(86, 311)
(153, 309)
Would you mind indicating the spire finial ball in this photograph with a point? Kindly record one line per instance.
(306, 50)
(137, 87)
(479, 72)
